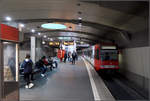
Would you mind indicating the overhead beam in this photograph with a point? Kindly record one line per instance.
(79, 37)
(74, 21)
(79, 32)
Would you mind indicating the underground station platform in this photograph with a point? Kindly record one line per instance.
(74, 50)
(79, 82)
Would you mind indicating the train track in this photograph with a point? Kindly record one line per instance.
(119, 87)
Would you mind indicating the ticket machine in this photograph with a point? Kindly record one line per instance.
(9, 84)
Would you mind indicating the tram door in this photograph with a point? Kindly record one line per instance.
(9, 69)
(97, 57)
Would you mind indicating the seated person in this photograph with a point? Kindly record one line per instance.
(40, 65)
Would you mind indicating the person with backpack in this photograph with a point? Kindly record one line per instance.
(28, 75)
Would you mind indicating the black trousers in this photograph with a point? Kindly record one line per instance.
(28, 77)
(73, 60)
(43, 69)
(65, 60)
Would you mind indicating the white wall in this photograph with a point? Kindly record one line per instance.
(40, 53)
(135, 65)
(137, 60)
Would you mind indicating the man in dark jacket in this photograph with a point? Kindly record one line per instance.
(73, 57)
(65, 57)
(27, 65)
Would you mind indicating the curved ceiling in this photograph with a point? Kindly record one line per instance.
(101, 20)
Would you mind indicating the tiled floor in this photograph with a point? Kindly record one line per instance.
(66, 83)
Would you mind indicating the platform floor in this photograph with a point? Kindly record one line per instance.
(66, 83)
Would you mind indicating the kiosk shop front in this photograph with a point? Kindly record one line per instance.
(9, 84)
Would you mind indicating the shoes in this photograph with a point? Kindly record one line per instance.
(31, 85)
(26, 86)
(42, 75)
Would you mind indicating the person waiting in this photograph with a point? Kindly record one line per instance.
(40, 65)
(73, 57)
(65, 57)
(28, 75)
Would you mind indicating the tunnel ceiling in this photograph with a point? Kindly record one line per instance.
(110, 21)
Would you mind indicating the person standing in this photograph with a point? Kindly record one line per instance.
(65, 57)
(73, 57)
(28, 75)
(69, 56)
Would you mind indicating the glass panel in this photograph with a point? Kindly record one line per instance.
(109, 55)
(9, 57)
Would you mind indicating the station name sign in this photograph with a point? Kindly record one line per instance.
(9, 33)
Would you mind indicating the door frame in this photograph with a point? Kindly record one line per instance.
(1, 72)
(3, 84)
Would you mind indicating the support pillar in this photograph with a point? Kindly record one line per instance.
(33, 47)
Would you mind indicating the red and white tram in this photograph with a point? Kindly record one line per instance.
(103, 56)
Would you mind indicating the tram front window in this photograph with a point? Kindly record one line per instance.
(105, 56)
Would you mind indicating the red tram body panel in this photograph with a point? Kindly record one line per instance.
(96, 58)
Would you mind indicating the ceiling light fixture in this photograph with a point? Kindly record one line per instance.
(32, 30)
(81, 42)
(51, 39)
(45, 36)
(22, 25)
(53, 26)
(39, 33)
(8, 18)
(43, 42)
(80, 18)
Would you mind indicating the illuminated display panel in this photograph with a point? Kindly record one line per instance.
(68, 43)
(108, 47)
(54, 43)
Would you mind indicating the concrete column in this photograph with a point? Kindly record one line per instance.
(33, 47)
(39, 43)
(39, 49)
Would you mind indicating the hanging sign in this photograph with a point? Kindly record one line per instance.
(54, 43)
(68, 43)
(9, 33)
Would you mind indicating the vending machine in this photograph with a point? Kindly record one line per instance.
(9, 84)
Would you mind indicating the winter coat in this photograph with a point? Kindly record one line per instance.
(27, 65)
